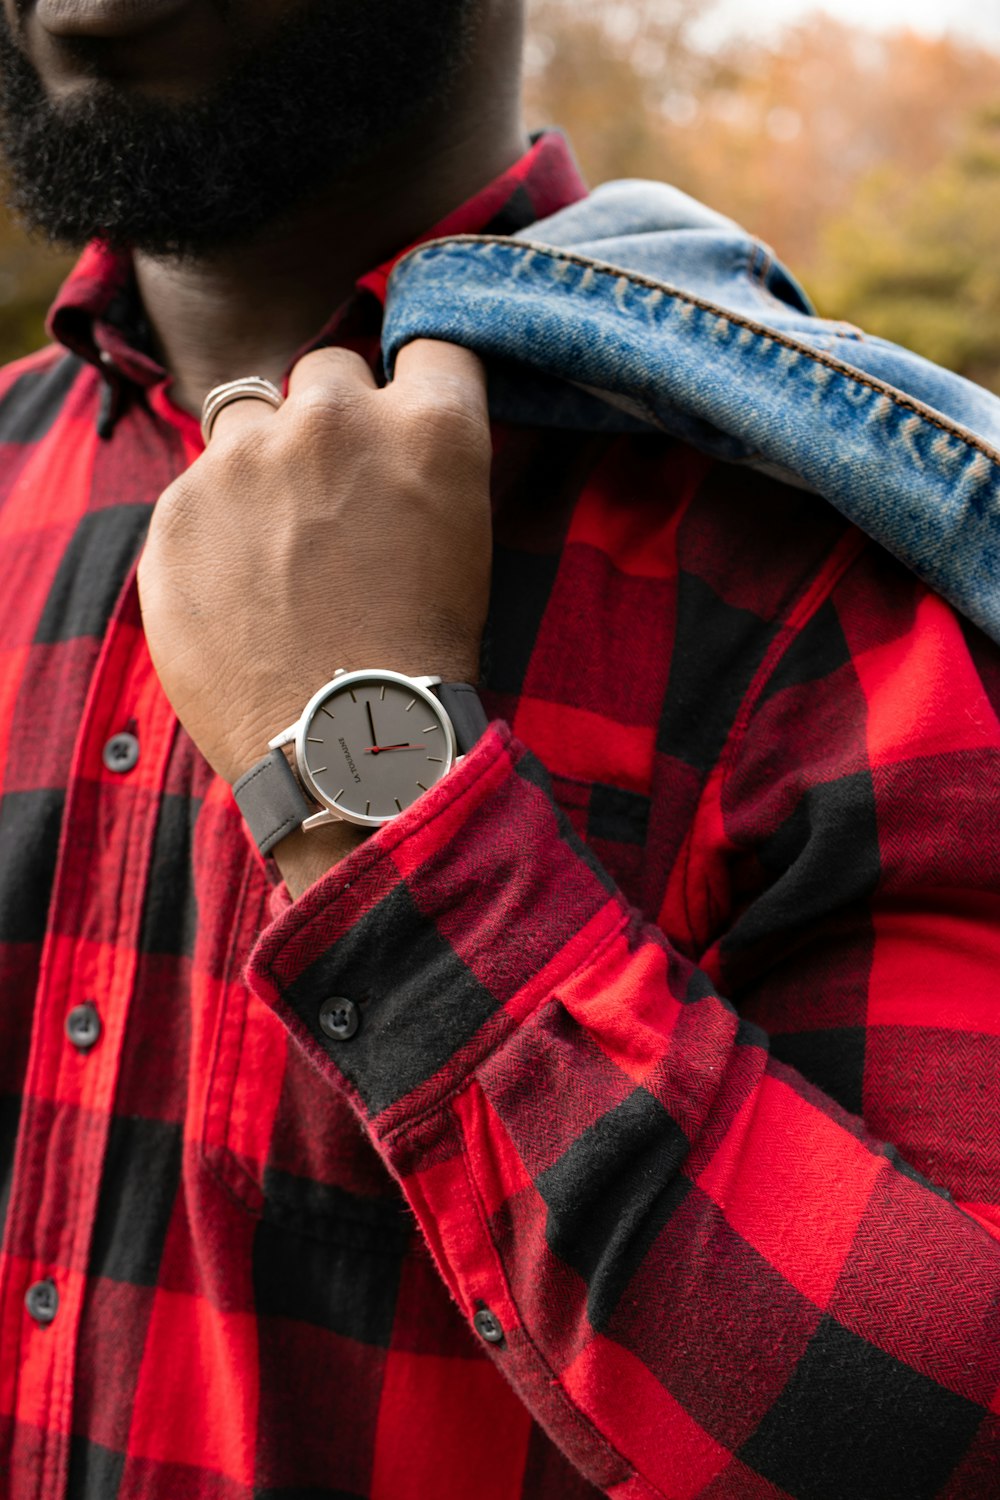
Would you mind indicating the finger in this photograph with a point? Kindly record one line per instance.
(445, 370)
(241, 416)
(331, 370)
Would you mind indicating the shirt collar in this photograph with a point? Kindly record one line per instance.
(96, 314)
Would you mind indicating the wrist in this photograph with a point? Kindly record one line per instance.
(303, 858)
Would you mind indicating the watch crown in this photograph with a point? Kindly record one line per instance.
(339, 672)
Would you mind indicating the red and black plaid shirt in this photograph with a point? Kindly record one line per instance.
(737, 752)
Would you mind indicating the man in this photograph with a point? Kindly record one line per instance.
(430, 1161)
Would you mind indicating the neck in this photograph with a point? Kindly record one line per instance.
(249, 311)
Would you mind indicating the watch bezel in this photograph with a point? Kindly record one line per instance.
(343, 681)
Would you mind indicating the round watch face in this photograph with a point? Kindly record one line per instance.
(371, 744)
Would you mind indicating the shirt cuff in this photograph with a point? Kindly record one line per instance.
(442, 931)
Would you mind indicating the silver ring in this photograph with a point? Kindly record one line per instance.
(249, 388)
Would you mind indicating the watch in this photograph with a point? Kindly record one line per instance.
(366, 746)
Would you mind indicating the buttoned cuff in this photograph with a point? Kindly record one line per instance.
(408, 962)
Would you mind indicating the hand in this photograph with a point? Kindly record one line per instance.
(349, 529)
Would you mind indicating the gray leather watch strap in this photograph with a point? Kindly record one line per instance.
(460, 702)
(271, 801)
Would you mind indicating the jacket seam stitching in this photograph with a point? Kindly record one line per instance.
(870, 382)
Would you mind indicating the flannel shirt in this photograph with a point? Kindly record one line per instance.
(666, 1158)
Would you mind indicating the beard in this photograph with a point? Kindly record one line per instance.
(331, 86)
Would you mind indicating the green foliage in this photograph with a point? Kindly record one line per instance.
(917, 260)
(870, 163)
(30, 274)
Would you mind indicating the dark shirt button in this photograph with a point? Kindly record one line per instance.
(488, 1326)
(83, 1025)
(121, 752)
(339, 1019)
(42, 1301)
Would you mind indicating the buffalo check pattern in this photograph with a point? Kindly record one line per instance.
(666, 1158)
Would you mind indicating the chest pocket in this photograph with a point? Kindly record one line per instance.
(278, 1138)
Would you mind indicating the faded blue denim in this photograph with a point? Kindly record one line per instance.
(639, 308)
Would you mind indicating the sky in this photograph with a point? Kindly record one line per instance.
(977, 19)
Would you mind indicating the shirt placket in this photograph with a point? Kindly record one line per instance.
(85, 988)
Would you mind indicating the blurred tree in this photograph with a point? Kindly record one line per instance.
(30, 272)
(608, 72)
(849, 152)
(778, 135)
(917, 258)
(786, 134)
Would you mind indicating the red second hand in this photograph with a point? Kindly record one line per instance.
(378, 749)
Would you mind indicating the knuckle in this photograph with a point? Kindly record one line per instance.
(329, 387)
(231, 453)
(450, 414)
(332, 363)
(170, 506)
(239, 458)
(319, 410)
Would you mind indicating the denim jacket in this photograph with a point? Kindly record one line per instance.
(638, 308)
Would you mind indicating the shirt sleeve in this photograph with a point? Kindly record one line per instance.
(703, 1274)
